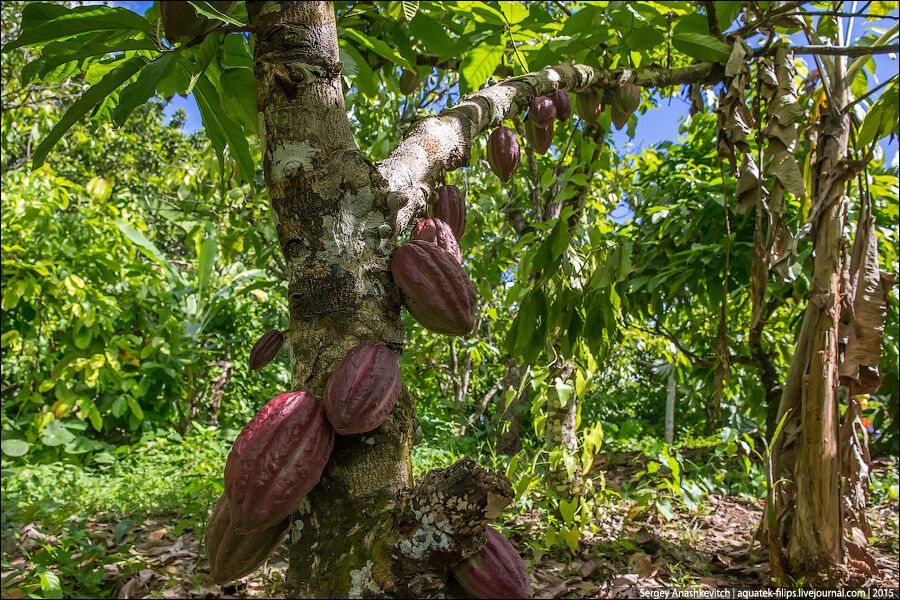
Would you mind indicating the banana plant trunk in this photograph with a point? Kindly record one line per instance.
(364, 530)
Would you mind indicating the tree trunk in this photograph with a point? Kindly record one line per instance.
(670, 408)
(363, 529)
(806, 537)
(560, 433)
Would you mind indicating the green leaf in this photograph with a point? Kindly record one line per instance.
(238, 86)
(38, 30)
(222, 130)
(567, 509)
(55, 434)
(379, 47)
(99, 189)
(206, 259)
(701, 46)
(358, 70)
(146, 247)
(208, 10)
(726, 13)
(14, 448)
(479, 64)
(88, 100)
(139, 91)
(56, 54)
(514, 12)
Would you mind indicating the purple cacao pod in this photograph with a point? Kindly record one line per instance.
(451, 209)
(276, 460)
(233, 555)
(540, 138)
(363, 389)
(409, 81)
(589, 105)
(266, 349)
(497, 571)
(439, 233)
(541, 111)
(625, 101)
(503, 152)
(436, 290)
(563, 104)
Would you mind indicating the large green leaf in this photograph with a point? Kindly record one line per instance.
(77, 49)
(479, 64)
(91, 98)
(208, 10)
(140, 90)
(146, 247)
(41, 26)
(379, 47)
(701, 46)
(222, 129)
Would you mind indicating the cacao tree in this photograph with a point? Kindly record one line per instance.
(284, 73)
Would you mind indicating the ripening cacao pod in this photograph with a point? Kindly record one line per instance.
(266, 349)
(541, 111)
(563, 104)
(589, 105)
(540, 138)
(233, 555)
(497, 571)
(363, 389)
(182, 23)
(439, 233)
(436, 290)
(451, 209)
(503, 152)
(625, 101)
(409, 81)
(276, 460)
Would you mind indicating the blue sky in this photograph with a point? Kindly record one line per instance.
(656, 125)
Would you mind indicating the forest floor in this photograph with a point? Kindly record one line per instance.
(632, 550)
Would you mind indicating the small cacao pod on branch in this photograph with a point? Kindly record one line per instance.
(436, 290)
(266, 349)
(363, 389)
(451, 209)
(182, 23)
(541, 111)
(439, 233)
(625, 101)
(589, 105)
(409, 81)
(497, 571)
(563, 104)
(276, 460)
(503, 152)
(540, 138)
(233, 555)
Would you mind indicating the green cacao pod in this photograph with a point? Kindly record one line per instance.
(451, 209)
(409, 81)
(233, 555)
(497, 571)
(625, 101)
(589, 105)
(266, 349)
(503, 152)
(276, 460)
(541, 111)
(563, 104)
(439, 233)
(540, 138)
(436, 290)
(363, 389)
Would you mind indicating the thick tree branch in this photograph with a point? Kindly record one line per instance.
(833, 50)
(443, 143)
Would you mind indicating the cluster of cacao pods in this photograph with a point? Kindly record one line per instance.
(281, 453)
(496, 571)
(428, 270)
(542, 112)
